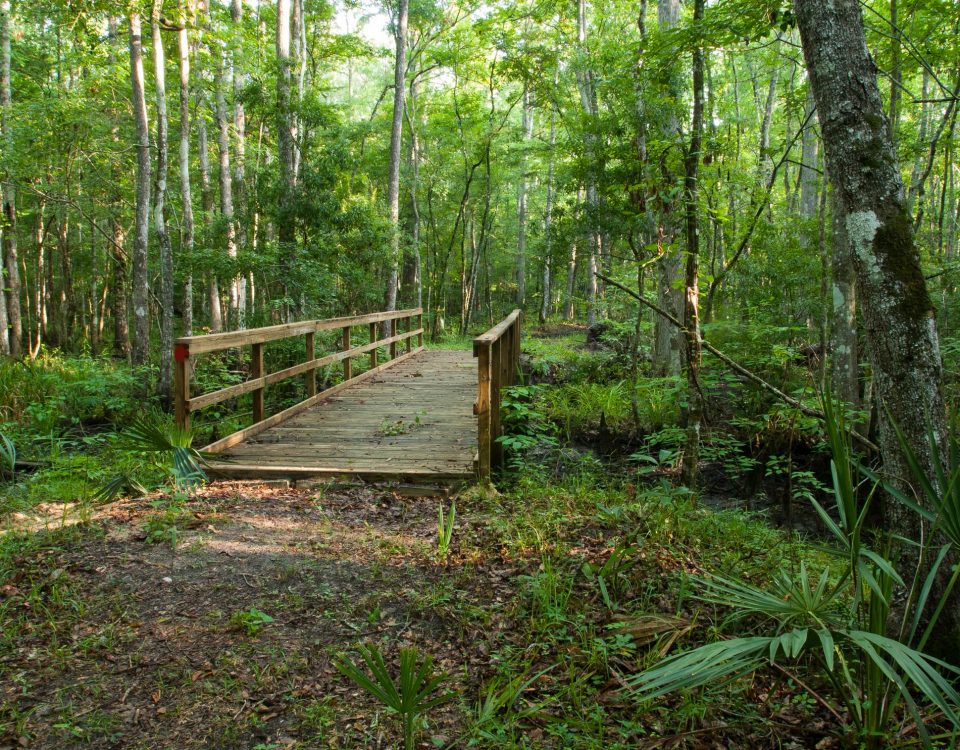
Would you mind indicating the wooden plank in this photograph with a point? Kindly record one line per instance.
(497, 331)
(311, 354)
(234, 391)
(255, 429)
(256, 370)
(342, 432)
(483, 410)
(345, 340)
(217, 341)
(181, 386)
(296, 472)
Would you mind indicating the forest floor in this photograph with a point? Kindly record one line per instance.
(141, 627)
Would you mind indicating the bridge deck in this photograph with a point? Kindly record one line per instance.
(412, 421)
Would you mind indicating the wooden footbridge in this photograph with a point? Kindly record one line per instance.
(411, 414)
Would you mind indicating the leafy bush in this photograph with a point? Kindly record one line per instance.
(249, 621)
(54, 392)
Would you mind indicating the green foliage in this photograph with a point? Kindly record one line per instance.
(841, 624)
(249, 621)
(410, 695)
(167, 446)
(55, 393)
(8, 455)
(445, 524)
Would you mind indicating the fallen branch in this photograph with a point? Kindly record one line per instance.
(738, 368)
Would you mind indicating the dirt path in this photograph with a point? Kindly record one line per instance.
(128, 631)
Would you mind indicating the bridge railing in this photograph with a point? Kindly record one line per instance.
(498, 362)
(186, 349)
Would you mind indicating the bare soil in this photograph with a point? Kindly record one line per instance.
(128, 643)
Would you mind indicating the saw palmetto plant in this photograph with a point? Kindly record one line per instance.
(411, 695)
(840, 626)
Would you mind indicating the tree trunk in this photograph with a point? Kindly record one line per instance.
(808, 160)
(165, 385)
(862, 163)
(548, 224)
(240, 164)
(9, 247)
(285, 136)
(396, 135)
(667, 340)
(206, 205)
(588, 100)
(416, 273)
(527, 134)
(141, 283)
(186, 199)
(691, 317)
(226, 191)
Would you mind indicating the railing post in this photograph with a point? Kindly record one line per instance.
(393, 344)
(311, 376)
(496, 368)
(347, 368)
(256, 371)
(373, 352)
(482, 353)
(181, 384)
(409, 339)
(420, 326)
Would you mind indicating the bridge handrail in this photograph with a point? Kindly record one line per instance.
(187, 347)
(498, 364)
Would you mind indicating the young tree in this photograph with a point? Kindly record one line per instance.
(9, 247)
(141, 283)
(165, 385)
(691, 310)
(527, 130)
(186, 199)
(396, 134)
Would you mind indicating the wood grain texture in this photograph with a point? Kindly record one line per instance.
(411, 420)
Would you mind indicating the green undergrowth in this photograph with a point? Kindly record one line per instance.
(610, 591)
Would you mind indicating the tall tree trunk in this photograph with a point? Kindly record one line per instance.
(548, 224)
(527, 124)
(298, 68)
(206, 206)
(411, 109)
(588, 100)
(808, 160)
(691, 317)
(9, 247)
(862, 163)
(240, 163)
(141, 282)
(226, 191)
(285, 137)
(165, 385)
(569, 308)
(396, 135)
(896, 75)
(186, 199)
(118, 257)
(667, 341)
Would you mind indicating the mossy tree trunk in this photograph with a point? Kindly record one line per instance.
(901, 332)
